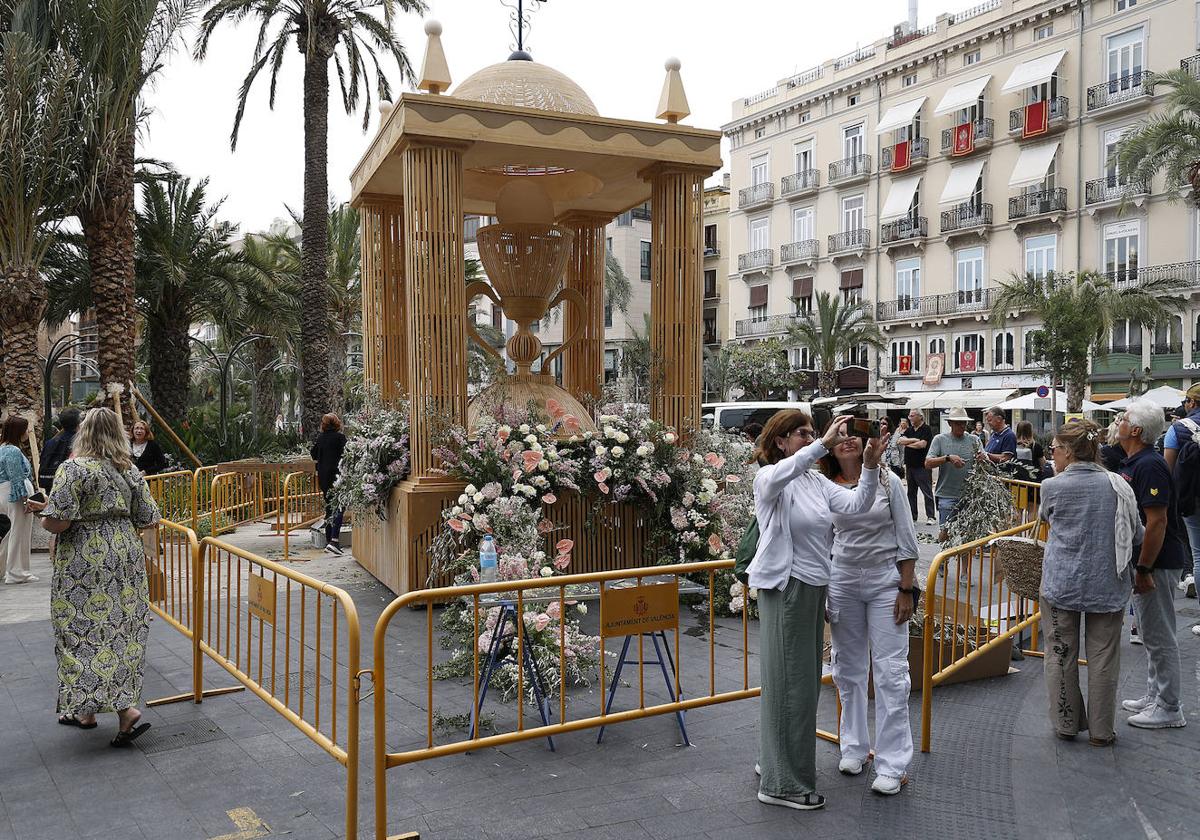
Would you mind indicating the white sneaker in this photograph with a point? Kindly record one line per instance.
(887, 785)
(799, 801)
(757, 769)
(1138, 705)
(850, 766)
(26, 579)
(1182, 586)
(930, 521)
(1135, 638)
(1196, 629)
(1156, 717)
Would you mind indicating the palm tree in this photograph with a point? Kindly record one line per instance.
(345, 296)
(41, 102)
(831, 332)
(718, 373)
(1077, 314)
(1168, 141)
(348, 34)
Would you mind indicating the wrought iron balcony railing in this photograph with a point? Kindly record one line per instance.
(966, 216)
(904, 230)
(762, 258)
(858, 166)
(1028, 205)
(1186, 274)
(904, 307)
(1058, 106)
(1191, 65)
(918, 152)
(800, 183)
(1162, 349)
(771, 325)
(850, 240)
(1119, 91)
(985, 132)
(763, 193)
(1112, 188)
(805, 251)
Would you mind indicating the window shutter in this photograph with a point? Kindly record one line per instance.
(802, 287)
(852, 279)
(758, 296)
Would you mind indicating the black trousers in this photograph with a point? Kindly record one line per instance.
(921, 479)
(333, 519)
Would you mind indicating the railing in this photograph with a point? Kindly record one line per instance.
(906, 37)
(172, 492)
(1037, 203)
(771, 325)
(810, 75)
(711, 250)
(761, 96)
(905, 307)
(849, 240)
(800, 183)
(1117, 91)
(1191, 65)
(1187, 273)
(985, 130)
(805, 251)
(917, 150)
(1026, 496)
(202, 499)
(903, 230)
(1160, 348)
(974, 11)
(1059, 106)
(762, 258)
(851, 167)
(757, 194)
(301, 504)
(1112, 188)
(967, 216)
(850, 59)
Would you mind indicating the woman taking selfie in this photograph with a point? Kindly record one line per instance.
(795, 506)
(871, 598)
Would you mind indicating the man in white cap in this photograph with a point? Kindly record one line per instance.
(953, 456)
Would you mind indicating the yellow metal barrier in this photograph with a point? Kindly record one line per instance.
(962, 632)
(301, 505)
(173, 493)
(266, 625)
(1026, 496)
(202, 496)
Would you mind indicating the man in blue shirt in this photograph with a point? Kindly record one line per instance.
(1002, 444)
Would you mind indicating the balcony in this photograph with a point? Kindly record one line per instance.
(1129, 90)
(1191, 65)
(1187, 275)
(907, 229)
(1033, 205)
(850, 169)
(918, 155)
(849, 241)
(756, 196)
(906, 308)
(711, 250)
(967, 218)
(1112, 189)
(800, 252)
(985, 133)
(801, 183)
(761, 327)
(758, 260)
(1056, 120)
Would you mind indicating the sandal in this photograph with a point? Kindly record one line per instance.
(126, 737)
(72, 720)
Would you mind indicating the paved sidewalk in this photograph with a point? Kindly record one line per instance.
(233, 768)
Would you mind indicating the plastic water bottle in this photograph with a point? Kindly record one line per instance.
(487, 560)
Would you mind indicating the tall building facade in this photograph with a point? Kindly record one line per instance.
(716, 264)
(914, 173)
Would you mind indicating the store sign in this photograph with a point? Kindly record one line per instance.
(966, 361)
(640, 609)
(935, 364)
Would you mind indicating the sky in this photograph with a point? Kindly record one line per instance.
(614, 49)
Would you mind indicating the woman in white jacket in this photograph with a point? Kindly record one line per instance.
(871, 599)
(795, 506)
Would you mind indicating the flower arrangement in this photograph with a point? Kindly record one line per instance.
(376, 457)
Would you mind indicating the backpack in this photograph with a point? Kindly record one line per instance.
(747, 547)
(1187, 471)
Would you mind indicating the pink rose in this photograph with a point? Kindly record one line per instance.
(552, 609)
(549, 499)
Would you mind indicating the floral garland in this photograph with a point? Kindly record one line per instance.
(376, 457)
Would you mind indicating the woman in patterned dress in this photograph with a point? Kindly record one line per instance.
(98, 598)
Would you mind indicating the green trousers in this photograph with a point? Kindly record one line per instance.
(791, 625)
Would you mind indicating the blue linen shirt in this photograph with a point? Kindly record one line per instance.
(15, 469)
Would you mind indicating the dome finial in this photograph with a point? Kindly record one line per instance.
(435, 73)
(672, 103)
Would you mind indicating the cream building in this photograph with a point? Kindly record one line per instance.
(716, 264)
(913, 173)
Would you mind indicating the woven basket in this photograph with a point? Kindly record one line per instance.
(1020, 560)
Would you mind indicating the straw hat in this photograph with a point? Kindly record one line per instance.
(958, 414)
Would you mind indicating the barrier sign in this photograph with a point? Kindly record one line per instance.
(262, 598)
(640, 609)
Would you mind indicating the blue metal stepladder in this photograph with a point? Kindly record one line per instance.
(508, 611)
(623, 660)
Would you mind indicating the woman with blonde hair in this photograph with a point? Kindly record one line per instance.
(98, 598)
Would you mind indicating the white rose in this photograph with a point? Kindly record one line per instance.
(622, 437)
(617, 451)
(506, 429)
(643, 450)
(541, 427)
(479, 498)
(531, 438)
(547, 571)
(463, 499)
(543, 465)
(582, 609)
(610, 432)
(456, 510)
(709, 485)
(601, 451)
(523, 429)
(697, 459)
(471, 490)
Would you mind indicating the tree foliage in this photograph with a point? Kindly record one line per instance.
(760, 370)
(831, 332)
(1167, 141)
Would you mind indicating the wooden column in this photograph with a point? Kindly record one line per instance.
(385, 353)
(676, 296)
(583, 363)
(436, 306)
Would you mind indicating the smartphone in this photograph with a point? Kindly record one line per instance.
(863, 428)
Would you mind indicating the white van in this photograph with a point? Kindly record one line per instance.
(738, 415)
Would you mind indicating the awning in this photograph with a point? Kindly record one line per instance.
(1164, 396)
(899, 116)
(1031, 401)
(961, 183)
(1032, 164)
(899, 198)
(962, 95)
(1033, 72)
(982, 398)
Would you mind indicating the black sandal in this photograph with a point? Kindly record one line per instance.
(126, 737)
(72, 720)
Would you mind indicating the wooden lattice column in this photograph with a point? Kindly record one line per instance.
(583, 362)
(676, 295)
(436, 306)
(385, 353)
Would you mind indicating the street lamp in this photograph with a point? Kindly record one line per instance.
(61, 346)
(223, 366)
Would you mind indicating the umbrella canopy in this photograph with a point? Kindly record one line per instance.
(1028, 402)
(1164, 396)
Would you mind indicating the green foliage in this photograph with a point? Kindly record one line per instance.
(718, 373)
(985, 507)
(760, 370)
(832, 331)
(1169, 140)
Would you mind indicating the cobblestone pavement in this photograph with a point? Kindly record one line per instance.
(233, 768)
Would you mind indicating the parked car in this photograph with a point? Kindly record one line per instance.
(738, 415)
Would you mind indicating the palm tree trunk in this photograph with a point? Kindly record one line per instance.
(24, 296)
(1076, 386)
(268, 395)
(170, 370)
(314, 246)
(826, 382)
(337, 373)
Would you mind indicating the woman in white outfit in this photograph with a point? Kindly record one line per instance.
(794, 506)
(871, 599)
(16, 485)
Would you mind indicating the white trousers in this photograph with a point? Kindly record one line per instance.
(866, 639)
(15, 547)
